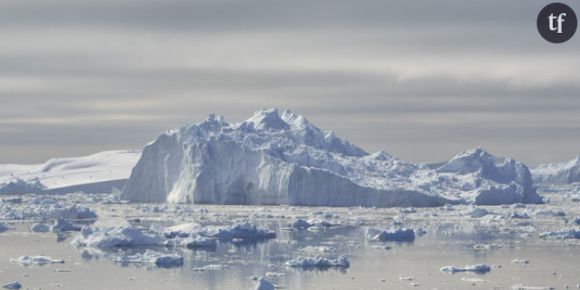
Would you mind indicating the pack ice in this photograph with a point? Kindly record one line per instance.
(97, 173)
(274, 158)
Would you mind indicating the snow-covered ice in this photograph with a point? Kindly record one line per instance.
(241, 231)
(96, 173)
(108, 238)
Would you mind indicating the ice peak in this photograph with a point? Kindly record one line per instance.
(477, 153)
(294, 120)
(268, 119)
(381, 155)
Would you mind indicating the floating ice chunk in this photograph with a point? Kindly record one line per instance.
(150, 257)
(106, 238)
(45, 207)
(478, 212)
(39, 228)
(479, 268)
(12, 286)
(210, 267)
(522, 287)
(520, 261)
(61, 225)
(487, 247)
(241, 231)
(318, 262)
(199, 242)
(408, 210)
(518, 215)
(168, 261)
(19, 186)
(551, 213)
(182, 230)
(264, 284)
(396, 235)
(275, 275)
(3, 228)
(301, 224)
(317, 249)
(561, 235)
(37, 261)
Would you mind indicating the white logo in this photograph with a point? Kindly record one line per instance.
(558, 19)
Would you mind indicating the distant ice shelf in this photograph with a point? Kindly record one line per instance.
(97, 173)
(567, 172)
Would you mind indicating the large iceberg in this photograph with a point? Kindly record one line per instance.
(274, 158)
(566, 172)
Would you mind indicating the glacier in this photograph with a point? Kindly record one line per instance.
(566, 172)
(274, 159)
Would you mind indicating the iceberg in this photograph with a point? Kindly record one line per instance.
(566, 172)
(273, 159)
(116, 237)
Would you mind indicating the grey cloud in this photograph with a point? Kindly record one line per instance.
(423, 79)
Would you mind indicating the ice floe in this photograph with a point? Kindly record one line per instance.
(108, 238)
(479, 269)
(12, 286)
(244, 231)
(37, 260)
(396, 235)
(150, 257)
(561, 234)
(318, 262)
(61, 225)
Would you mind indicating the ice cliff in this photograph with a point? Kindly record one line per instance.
(274, 158)
(566, 172)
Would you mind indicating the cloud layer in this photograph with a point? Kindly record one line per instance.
(422, 79)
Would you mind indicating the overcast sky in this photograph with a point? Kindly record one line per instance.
(423, 80)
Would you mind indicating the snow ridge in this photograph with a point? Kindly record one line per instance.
(274, 158)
